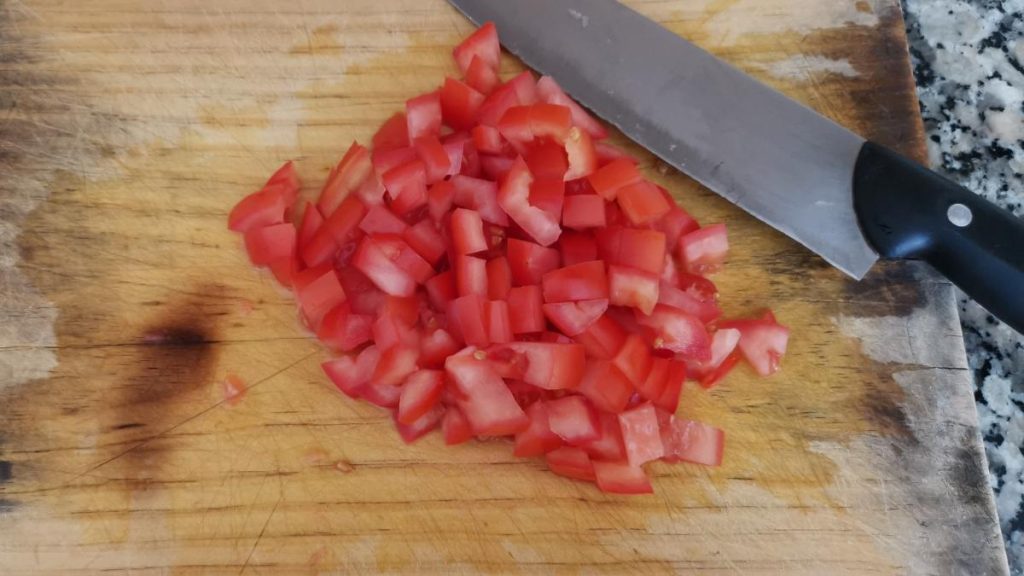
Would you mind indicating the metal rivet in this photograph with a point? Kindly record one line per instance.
(959, 215)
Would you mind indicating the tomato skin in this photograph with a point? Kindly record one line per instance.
(621, 478)
(612, 177)
(470, 275)
(537, 438)
(514, 195)
(499, 325)
(526, 301)
(420, 394)
(585, 281)
(460, 104)
(499, 278)
(454, 427)
(631, 287)
(642, 203)
(530, 262)
(605, 386)
(483, 397)
(546, 160)
(583, 211)
(641, 435)
(467, 232)
(550, 120)
(482, 76)
(669, 399)
(497, 104)
(312, 220)
(574, 420)
(637, 248)
(703, 251)
(571, 463)
(653, 386)
(548, 194)
(423, 115)
(482, 44)
(573, 318)
(270, 243)
(692, 441)
(549, 91)
(392, 134)
(577, 247)
(603, 339)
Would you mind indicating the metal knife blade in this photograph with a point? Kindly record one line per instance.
(775, 158)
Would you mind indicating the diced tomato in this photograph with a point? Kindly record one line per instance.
(551, 366)
(642, 203)
(458, 147)
(703, 251)
(424, 238)
(698, 286)
(420, 394)
(605, 386)
(413, 431)
(386, 160)
(548, 194)
(395, 364)
(762, 342)
(312, 220)
(583, 211)
(530, 262)
(372, 261)
(579, 150)
(573, 318)
(723, 343)
(434, 157)
(705, 311)
(343, 330)
(394, 326)
(459, 104)
(481, 76)
(537, 438)
(479, 195)
(526, 302)
(380, 220)
(392, 134)
(669, 399)
(614, 176)
(285, 269)
(641, 435)
(631, 287)
(637, 248)
(407, 186)
(514, 196)
(363, 296)
(608, 445)
(319, 295)
(550, 92)
(499, 278)
(435, 347)
(634, 359)
(674, 224)
(524, 85)
(339, 228)
(344, 178)
(585, 281)
(270, 243)
(514, 125)
(574, 420)
(467, 232)
(423, 115)
(678, 332)
(259, 209)
(603, 339)
(454, 426)
(550, 120)
(404, 257)
(546, 160)
(483, 397)
(440, 198)
(606, 154)
(621, 478)
(352, 374)
(482, 44)
(571, 463)
(694, 442)
(488, 140)
(653, 386)
(470, 275)
(466, 319)
(499, 324)
(441, 289)
(577, 247)
(497, 104)
(496, 167)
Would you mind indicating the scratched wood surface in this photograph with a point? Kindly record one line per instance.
(130, 127)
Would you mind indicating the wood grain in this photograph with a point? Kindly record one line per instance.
(131, 127)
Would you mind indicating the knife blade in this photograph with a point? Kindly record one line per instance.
(846, 199)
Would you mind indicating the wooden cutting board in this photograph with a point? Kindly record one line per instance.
(129, 129)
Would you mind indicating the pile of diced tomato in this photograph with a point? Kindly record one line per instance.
(492, 267)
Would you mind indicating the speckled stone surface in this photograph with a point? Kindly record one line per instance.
(969, 64)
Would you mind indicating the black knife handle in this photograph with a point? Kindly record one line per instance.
(909, 212)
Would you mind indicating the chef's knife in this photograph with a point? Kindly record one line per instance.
(847, 199)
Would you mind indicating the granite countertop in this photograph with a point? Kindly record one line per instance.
(968, 60)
